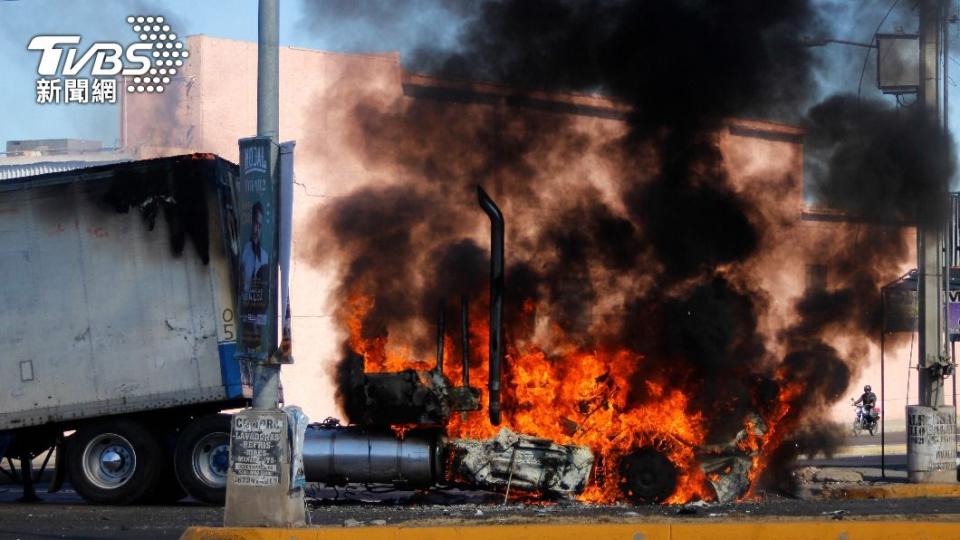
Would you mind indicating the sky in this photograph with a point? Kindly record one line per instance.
(335, 25)
(346, 30)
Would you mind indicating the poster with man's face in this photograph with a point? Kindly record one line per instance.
(257, 205)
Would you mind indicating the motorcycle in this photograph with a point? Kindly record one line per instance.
(865, 421)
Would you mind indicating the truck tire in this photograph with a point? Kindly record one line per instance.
(203, 457)
(117, 462)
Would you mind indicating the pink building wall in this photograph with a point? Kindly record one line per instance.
(212, 104)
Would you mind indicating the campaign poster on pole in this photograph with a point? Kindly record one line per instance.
(284, 354)
(953, 314)
(257, 227)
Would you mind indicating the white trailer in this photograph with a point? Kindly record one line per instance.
(117, 323)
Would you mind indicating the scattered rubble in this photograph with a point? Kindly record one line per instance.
(693, 507)
(728, 465)
(729, 475)
(822, 475)
(835, 514)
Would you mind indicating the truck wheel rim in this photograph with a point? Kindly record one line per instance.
(211, 459)
(109, 461)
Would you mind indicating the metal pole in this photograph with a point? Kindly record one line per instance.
(465, 338)
(954, 207)
(883, 378)
(951, 250)
(929, 262)
(268, 70)
(931, 424)
(441, 337)
(496, 302)
(266, 383)
(945, 98)
(465, 345)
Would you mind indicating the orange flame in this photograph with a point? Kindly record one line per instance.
(578, 397)
(778, 425)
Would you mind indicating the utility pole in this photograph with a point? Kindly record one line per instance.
(928, 237)
(931, 427)
(262, 485)
(266, 381)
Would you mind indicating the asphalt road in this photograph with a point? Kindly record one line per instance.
(895, 438)
(65, 515)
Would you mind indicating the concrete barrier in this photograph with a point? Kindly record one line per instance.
(782, 530)
(892, 491)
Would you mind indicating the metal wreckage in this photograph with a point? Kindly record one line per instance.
(399, 438)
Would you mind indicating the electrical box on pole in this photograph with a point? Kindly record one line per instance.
(898, 63)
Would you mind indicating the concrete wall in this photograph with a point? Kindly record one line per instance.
(213, 103)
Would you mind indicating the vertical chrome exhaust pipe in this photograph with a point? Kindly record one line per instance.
(465, 338)
(496, 300)
(441, 319)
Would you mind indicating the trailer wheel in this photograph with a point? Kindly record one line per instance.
(114, 463)
(203, 457)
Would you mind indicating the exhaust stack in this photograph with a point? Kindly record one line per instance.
(441, 319)
(496, 300)
(465, 338)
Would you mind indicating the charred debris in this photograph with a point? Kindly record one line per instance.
(407, 410)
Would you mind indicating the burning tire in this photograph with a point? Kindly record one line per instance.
(203, 457)
(115, 463)
(647, 476)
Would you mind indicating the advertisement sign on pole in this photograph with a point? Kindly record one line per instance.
(953, 315)
(257, 219)
(286, 241)
(901, 310)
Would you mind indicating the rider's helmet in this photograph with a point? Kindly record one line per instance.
(867, 388)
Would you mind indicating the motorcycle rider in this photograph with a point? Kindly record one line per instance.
(867, 401)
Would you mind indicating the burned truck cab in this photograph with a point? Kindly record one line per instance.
(399, 435)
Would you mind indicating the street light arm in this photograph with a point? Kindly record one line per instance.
(827, 41)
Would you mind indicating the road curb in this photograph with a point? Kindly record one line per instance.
(783, 530)
(891, 491)
(871, 450)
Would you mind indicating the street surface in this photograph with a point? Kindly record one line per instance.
(863, 454)
(65, 515)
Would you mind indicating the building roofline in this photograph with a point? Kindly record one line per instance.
(418, 85)
(106, 170)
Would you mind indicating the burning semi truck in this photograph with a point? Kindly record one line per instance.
(585, 443)
(120, 332)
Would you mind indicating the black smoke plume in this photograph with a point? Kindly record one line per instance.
(879, 163)
(663, 263)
